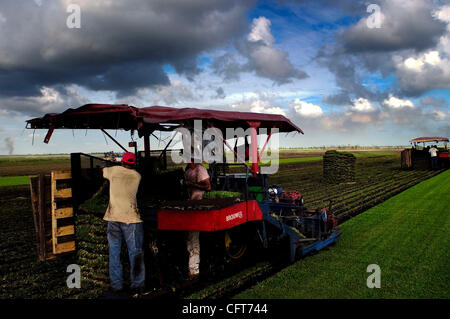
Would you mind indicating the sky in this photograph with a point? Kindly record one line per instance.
(347, 72)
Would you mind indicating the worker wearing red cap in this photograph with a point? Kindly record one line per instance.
(124, 223)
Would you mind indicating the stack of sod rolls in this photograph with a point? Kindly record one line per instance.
(338, 167)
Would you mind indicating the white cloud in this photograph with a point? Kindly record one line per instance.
(49, 96)
(362, 105)
(444, 44)
(361, 118)
(234, 97)
(306, 109)
(443, 14)
(441, 116)
(396, 103)
(261, 31)
(264, 58)
(5, 112)
(272, 110)
(416, 64)
(431, 69)
(175, 93)
(259, 106)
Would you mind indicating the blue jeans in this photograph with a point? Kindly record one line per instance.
(434, 162)
(133, 234)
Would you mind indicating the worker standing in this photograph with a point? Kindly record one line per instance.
(124, 223)
(197, 181)
(434, 157)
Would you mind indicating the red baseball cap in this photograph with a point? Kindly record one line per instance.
(129, 158)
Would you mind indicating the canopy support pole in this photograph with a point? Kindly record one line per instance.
(147, 148)
(48, 136)
(254, 146)
(254, 150)
(107, 134)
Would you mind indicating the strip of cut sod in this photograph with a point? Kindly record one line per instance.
(406, 236)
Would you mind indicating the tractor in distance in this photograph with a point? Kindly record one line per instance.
(418, 155)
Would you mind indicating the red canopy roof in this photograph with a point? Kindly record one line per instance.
(108, 116)
(429, 139)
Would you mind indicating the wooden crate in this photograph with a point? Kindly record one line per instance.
(53, 224)
(41, 206)
(406, 156)
(59, 214)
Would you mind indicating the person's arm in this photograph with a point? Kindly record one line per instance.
(105, 172)
(204, 185)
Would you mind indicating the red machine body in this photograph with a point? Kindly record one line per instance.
(209, 220)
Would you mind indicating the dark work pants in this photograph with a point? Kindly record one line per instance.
(133, 234)
(434, 162)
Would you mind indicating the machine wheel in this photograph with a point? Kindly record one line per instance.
(236, 244)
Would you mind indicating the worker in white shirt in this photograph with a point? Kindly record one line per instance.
(197, 182)
(434, 157)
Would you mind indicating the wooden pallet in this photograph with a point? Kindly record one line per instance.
(40, 203)
(61, 213)
(53, 224)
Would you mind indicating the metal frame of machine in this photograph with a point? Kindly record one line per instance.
(305, 230)
(444, 155)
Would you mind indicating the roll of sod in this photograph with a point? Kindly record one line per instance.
(338, 167)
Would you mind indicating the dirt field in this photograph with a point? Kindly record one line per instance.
(31, 166)
(22, 276)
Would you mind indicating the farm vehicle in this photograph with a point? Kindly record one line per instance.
(418, 155)
(243, 217)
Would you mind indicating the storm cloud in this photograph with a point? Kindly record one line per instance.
(404, 25)
(408, 30)
(262, 56)
(122, 46)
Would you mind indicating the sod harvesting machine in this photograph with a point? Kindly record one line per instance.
(243, 217)
(418, 156)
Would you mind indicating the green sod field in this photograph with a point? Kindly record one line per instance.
(407, 236)
(14, 180)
